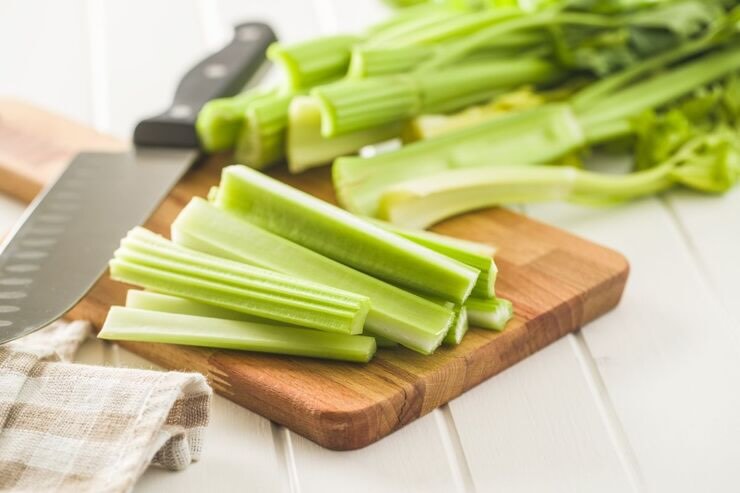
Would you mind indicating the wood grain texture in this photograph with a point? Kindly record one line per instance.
(556, 281)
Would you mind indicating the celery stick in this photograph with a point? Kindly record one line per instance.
(220, 120)
(313, 62)
(239, 287)
(491, 313)
(158, 302)
(394, 313)
(476, 255)
(130, 324)
(352, 105)
(339, 235)
(306, 148)
(261, 141)
(458, 328)
(531, 136)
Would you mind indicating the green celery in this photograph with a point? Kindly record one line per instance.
(394, 313)
(261, 141)
(158, 302)
(339, 235)
(352, 105)
(313, 62)
(130, 324)
(493, 313)
(476, 255)
(458, 328)
(536, 135)
(709, 164)
(306, 148)
(220, 120)
(151, 261)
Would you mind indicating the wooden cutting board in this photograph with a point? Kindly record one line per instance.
(557, 282)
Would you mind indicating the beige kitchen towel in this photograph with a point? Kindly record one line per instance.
(77, 428)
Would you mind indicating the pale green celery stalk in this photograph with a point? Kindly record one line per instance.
(369, 61)
(306, 148)
(458, 328)
(220, 120)
(394, 313)
(610, 115)
(441, 28)
(339, 235)
(536, 135)
(356, 104)
(261, 141)
(476, 255)
(130, 324)
(313, 62)
(194, 275)
(158, 302)
(492, 313)
(422, 202)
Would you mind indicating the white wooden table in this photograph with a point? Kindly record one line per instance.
(646, 398)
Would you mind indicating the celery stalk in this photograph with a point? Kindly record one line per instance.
(313, 62)
(306, 148)
(220, 120)
(177, 271)
(130, 324)
(394, 313)
(536, 135)
(158, 302)
(458, 328)
(476, 255)
(493, 313)
(339, 235)
(352, 105)
(261, 141)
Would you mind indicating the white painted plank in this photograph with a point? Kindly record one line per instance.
(537, 427)
(238, 453)
(44, 56)
(291, 20)
(340, 16)
(412, 459)
(668, 357)
(143, 49)
(711, 225)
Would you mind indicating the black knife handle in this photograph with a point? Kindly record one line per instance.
(224, 73)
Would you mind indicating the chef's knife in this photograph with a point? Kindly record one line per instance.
(64, 241)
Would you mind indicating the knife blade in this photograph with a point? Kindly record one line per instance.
(63, 242)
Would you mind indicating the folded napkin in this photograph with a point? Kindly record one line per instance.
(79, 428)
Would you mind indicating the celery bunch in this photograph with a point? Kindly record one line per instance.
(250, 260)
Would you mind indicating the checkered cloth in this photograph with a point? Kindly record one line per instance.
(78, 428)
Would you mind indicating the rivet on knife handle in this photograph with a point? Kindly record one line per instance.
(222, 74)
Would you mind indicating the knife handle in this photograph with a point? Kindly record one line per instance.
(222, 74)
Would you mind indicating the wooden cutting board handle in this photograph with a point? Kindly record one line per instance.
(36, 145)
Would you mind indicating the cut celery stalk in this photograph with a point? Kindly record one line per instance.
(307, 148)
(356, 104)
(458, 328)
(339, 235)
(491, 313)
(261, 141)
(130, 324)
(313, 62)
(194, 275)
(476, 255)
(394, 313)
(158, 302)
(531, 136)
